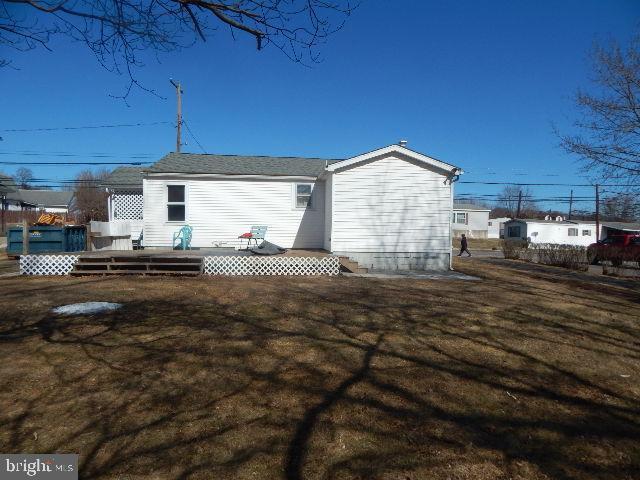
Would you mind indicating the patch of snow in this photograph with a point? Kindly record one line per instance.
(86, 308)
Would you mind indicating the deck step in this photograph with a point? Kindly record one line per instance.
(138, 265)
(79, 273)
(135, 264)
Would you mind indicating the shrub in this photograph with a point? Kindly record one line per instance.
(573, 257)
(515, 249)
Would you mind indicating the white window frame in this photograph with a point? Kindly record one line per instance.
(167, 203)
(312, 199)
(587, 234)
(570, 231)
(464, 214)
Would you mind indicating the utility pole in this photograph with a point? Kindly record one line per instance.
(597, 213)
(179, 116)
(519, 203)
(570, 204)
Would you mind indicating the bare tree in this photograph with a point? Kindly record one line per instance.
(621, 208)
(607, 137)
(23, 177)
(89, 199)
(508, 201)
(117, 31)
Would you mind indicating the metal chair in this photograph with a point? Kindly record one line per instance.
(182, 238)
(258, 232)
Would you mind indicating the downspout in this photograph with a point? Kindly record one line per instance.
(455, 176)
(109, 207)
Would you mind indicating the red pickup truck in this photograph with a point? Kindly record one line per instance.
(616, 248)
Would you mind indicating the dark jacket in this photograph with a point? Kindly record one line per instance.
(463, 242)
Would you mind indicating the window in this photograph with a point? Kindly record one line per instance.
(490, 223)
(460, 217)
(176, 211)
(586, 233)
(573, 232)
(303, 195)
(513, 232)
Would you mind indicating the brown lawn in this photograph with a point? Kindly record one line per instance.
(531, 373)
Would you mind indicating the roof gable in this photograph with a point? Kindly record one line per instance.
(401, 152)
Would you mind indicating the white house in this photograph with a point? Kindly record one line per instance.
(566, 232)
(386, 209)
(469, 219)
(496, 227)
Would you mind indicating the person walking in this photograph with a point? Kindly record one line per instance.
(464, 246)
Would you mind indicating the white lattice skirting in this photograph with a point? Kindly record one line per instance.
(271, 265)
(47, 264)
(128, 204)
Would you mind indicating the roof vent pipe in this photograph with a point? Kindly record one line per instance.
(402, 143)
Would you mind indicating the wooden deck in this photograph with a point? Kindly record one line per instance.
(162, 253)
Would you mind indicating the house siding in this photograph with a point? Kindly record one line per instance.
(392, 213)
(477, 223)
(328, 212)
(220, 209)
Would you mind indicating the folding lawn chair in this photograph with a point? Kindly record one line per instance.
(257, 232)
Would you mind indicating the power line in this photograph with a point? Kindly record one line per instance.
(193, 136)
(75, 163)
(548, 184)
(27, 153)
(83, 127)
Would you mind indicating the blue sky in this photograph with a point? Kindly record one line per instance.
(474, 83)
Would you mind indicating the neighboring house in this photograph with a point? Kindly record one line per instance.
(496, 227)
(470, 219)
(388, 209)
(566, 232)
(51, 201)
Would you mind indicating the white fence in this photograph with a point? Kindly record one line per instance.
(47, 264)
(236, 265)
(213, 265)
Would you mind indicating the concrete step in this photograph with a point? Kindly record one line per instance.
(348, 265)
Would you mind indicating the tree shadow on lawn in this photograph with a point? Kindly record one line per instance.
(331, 378)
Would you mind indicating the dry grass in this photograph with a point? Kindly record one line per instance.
(531, 373)
(479, 243)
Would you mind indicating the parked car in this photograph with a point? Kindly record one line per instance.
(616, 248)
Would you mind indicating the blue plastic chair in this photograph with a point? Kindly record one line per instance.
(182, 238)
(258, 232)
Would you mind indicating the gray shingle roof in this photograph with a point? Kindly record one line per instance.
(124, 177)
(469, 206)
(46, 198)
(630, 226)
(7, 184)
(239, 165)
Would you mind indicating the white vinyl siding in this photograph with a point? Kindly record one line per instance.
(220, 209)
(328, 211)
(390, 205)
